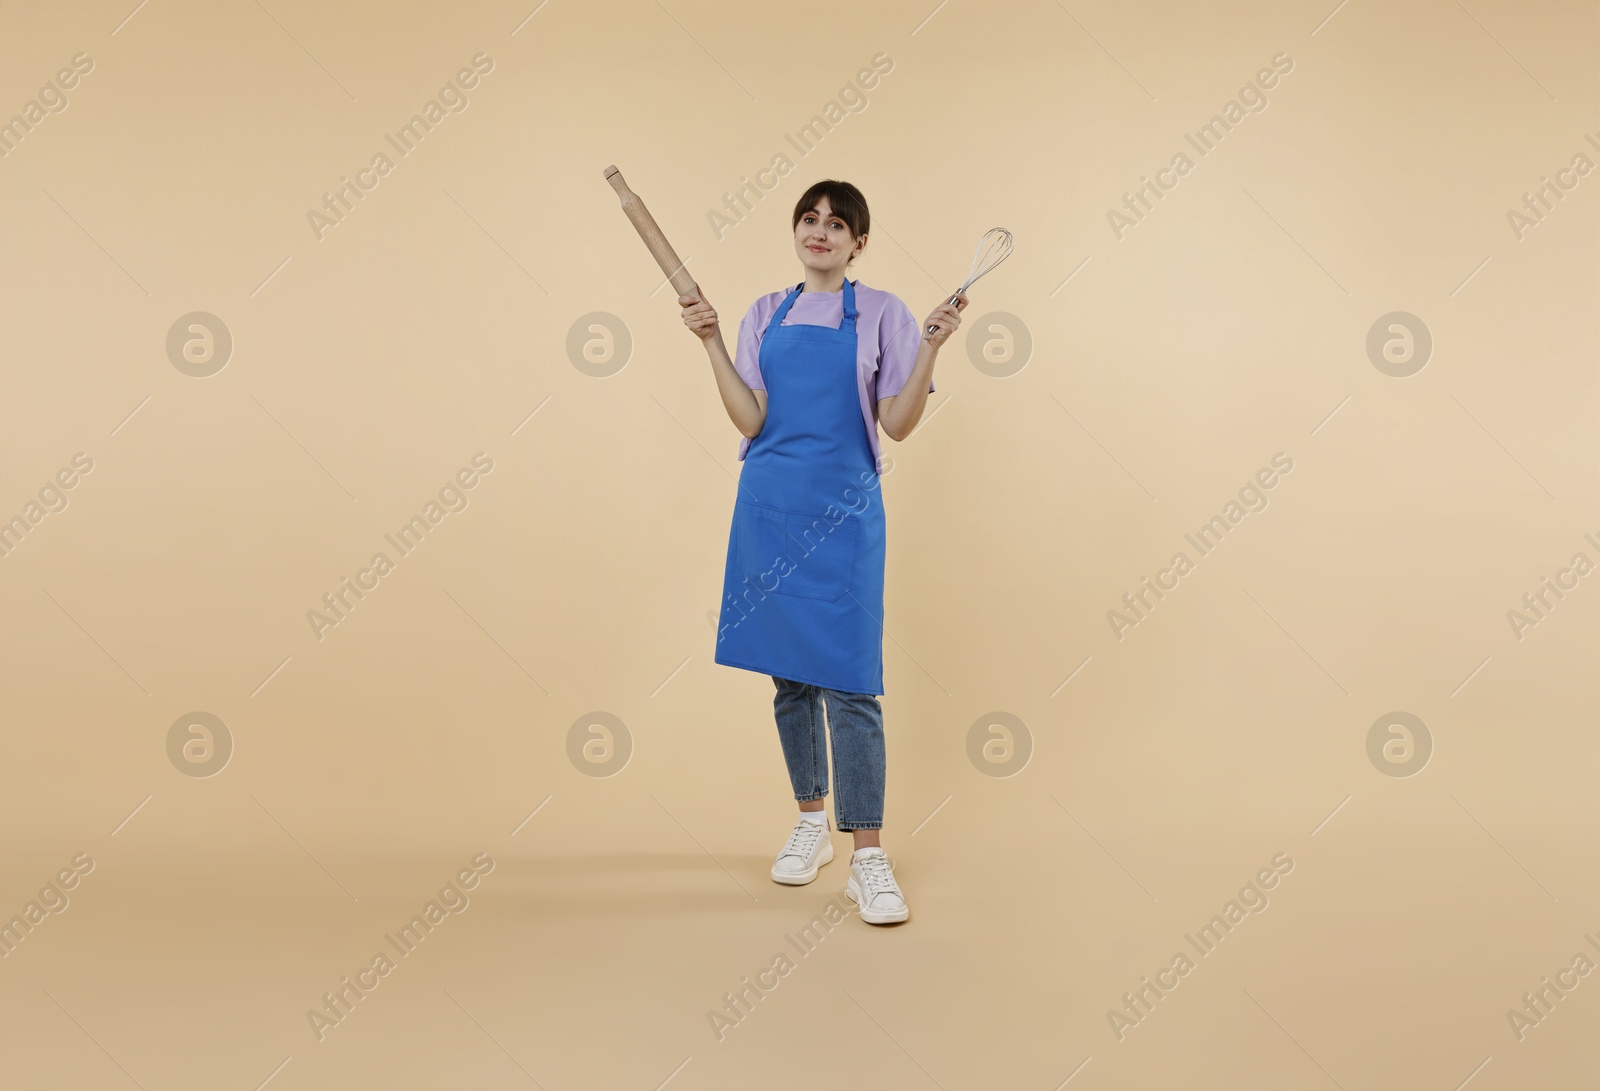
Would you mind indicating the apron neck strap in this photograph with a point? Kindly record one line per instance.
(847, 324)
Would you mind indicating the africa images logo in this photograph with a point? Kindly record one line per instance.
(452, 99)
(452, 499)
(1252, 99)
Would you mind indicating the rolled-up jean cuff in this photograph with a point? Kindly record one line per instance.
(851, 828)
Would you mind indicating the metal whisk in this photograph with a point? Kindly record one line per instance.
(993, 248)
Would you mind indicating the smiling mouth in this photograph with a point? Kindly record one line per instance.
(817, 249)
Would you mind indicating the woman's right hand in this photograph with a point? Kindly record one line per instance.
(699, 315)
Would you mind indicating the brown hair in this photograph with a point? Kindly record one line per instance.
(844, 200)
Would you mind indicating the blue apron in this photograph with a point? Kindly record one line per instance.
(802, 592)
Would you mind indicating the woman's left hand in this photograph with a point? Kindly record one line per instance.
(945, 318)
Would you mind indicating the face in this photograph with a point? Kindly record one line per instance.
(823, 240)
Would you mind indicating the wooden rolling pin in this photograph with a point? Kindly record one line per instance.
(657, 243)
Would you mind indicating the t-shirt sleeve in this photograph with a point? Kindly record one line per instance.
(747, 350)
(899, 336)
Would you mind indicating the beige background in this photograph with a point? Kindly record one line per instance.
(1229, 726)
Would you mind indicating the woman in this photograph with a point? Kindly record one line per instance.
(803, 584)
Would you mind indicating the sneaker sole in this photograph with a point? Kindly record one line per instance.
(801, 878)
(874, 916)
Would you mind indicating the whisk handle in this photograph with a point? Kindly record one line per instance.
(952, 301)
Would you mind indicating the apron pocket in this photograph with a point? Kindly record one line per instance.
(793, 553)
(759, 551)
(822, 556)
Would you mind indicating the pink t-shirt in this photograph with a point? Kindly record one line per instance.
(887, 338)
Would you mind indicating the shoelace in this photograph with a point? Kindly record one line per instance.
(879, 878)
(803, 839)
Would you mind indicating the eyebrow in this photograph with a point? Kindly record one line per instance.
(832, 215)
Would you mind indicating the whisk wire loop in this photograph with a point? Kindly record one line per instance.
(993, 248)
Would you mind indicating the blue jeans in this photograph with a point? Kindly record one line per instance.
(855, 724)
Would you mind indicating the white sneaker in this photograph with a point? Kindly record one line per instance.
(807, 849)
(872, 887)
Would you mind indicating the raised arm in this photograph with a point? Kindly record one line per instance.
(899, 413)
(746, 408)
